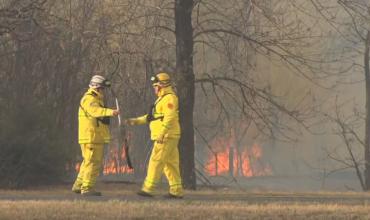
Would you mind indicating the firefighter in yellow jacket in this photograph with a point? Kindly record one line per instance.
(163, 120)
(93, 133)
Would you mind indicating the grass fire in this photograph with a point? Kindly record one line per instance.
(184, 109)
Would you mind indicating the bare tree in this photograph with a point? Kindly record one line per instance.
(350, 19)
(219, 51)
(232, 32)
(346, 128)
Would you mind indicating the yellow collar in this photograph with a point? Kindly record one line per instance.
(99, 95)
(165, 91)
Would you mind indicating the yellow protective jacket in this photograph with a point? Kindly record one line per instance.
(165, 114)
(91, 130)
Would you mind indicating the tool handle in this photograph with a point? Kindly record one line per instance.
(119, 115)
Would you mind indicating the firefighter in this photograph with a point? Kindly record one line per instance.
(163, 119)
(93, 133)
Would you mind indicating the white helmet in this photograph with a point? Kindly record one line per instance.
(98, 81)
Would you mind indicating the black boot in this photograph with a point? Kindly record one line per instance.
(144, 194)
(91, 193)
(171, 196)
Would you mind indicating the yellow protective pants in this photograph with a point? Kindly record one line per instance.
(164, 158)
(90, 167)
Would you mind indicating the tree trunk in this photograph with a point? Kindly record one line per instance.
(231, 161)
(216, 164)
(367, 131)
(185, 88)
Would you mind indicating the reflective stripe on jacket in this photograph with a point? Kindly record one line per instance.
(90, 129)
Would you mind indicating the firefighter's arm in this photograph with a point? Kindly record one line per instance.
(170, 108)
(137, 121)
(93, 108)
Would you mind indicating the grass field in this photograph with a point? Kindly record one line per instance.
(120, 202)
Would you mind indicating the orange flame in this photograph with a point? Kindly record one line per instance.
(113, 164)
(246, 163)
(77, 167)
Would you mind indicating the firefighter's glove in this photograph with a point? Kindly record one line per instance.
(115, 112)
(130, 121)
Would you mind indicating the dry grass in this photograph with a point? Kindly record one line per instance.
(120, 202)
(45, 210)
